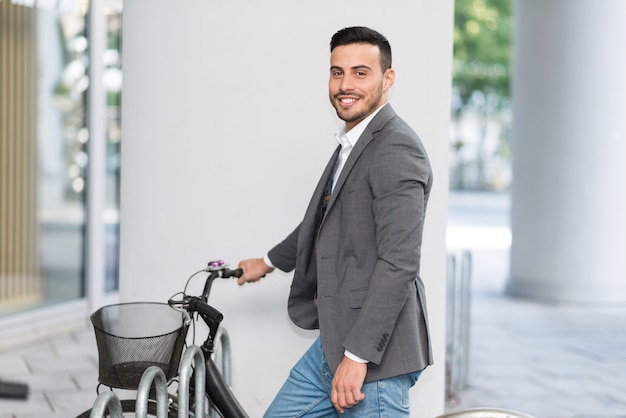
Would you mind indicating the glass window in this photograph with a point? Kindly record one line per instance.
(62, 139)
(113, 86)
(44, 132)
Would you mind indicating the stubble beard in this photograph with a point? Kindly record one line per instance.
(370, 105)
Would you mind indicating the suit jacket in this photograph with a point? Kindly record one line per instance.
(356, 272)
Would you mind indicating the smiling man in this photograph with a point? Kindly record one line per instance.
(359, 80)
(356, 253)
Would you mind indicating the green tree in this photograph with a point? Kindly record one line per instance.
(481, 66)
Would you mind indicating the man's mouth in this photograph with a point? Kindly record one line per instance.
(347, 100)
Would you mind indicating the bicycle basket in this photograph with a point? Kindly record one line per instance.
(134, 336)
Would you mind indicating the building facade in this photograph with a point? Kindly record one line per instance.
(60, 132)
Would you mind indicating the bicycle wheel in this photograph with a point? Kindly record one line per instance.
(128, 410)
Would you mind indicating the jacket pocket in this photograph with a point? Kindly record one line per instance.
(357, 297)
(352, 186)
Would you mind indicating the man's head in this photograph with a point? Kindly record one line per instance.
(362, 34)
(360, 73)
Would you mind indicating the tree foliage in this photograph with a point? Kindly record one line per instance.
(482, 50)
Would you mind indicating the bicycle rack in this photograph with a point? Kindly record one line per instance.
(192, 353)
(458, 324)
(152, 374)
(107, 400)
(155, 374)
(222, 340)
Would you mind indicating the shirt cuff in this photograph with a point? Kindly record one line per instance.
(267, 260)
(354, 357)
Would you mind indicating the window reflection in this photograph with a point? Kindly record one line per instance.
(62, 138)
(44, 138)
(113, 86)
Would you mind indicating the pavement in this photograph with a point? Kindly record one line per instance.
(548, 361)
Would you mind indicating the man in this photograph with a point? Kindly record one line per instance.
(356, 253)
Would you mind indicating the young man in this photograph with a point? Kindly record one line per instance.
(356, 253)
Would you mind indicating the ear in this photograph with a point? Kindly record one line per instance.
(388, 78)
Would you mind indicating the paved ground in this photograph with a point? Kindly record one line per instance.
(547, 361)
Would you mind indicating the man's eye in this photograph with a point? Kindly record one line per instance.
(336, 74)
(360, 73)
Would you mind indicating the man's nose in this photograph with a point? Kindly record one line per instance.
(347, 83)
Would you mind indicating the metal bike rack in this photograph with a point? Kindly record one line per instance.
(192, 362)
(107, 400)
(152, 374)
(192, 353)
(458, 329)
(223, 340)
(191, 357)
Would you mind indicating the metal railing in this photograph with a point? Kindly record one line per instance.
(458, 323)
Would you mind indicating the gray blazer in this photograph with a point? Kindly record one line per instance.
(357, 270)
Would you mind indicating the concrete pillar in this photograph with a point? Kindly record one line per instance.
(568, 216)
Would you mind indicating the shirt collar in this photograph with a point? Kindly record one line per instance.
(354, 134)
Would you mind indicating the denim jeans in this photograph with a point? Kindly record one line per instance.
(306, 393)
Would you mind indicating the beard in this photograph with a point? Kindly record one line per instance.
(366, 105)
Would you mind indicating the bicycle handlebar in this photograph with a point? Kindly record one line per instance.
(218, 269)
(211, 316)
(209, 313)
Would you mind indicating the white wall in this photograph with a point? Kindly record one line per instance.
(227, 127)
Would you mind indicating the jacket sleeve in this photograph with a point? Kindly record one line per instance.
(283, 255)
(400, 180)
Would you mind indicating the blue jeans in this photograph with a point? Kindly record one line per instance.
(306, 393)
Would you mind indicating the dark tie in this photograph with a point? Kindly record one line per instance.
(327, 194)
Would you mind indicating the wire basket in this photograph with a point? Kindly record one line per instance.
(134, 336)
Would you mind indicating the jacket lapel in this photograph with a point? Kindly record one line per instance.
(312, 217)
(376, 124)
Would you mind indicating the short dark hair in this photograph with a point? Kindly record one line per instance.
(362, 34)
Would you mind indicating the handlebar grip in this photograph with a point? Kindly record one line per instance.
(206, 311)
(227, 273)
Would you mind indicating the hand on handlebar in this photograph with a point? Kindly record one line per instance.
(253, 270)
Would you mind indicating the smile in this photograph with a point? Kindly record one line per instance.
(346, 102)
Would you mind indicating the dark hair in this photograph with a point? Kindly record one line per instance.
(364, 35)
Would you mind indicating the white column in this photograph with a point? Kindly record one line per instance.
(568, 215)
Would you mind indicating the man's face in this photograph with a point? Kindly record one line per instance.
(357, 84)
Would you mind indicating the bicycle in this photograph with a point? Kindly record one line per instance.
(123, 358)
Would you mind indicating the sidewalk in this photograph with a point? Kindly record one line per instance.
(544, 360)
(61, 372)
(549, 361)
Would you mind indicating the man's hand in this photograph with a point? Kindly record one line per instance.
(347, 384)
(253, 270)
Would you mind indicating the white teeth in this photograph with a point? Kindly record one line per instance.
(348, 100)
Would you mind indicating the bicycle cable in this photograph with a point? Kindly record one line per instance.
(177, 305)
